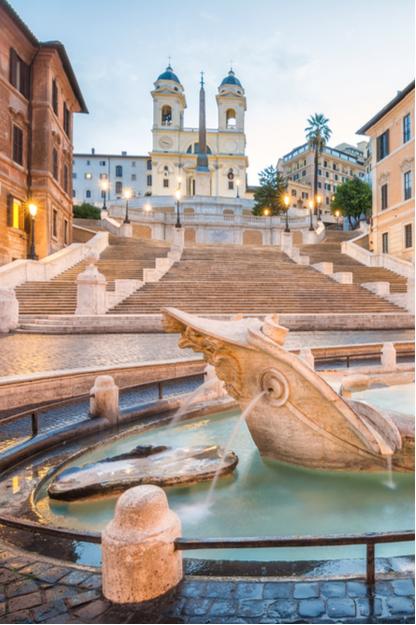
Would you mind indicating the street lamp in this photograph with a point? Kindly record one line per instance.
(147, 207)
(266, 213)
(237, 182)
(178, 215)
(33, 210)
(337, 214)
(310, 214)
(286, 201)
(127, 196)
(318, 206)
(104, 189)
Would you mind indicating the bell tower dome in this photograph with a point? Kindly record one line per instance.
(169, 101)
(231, 102)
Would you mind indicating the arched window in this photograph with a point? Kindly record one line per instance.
(230, 118)
(119, 171)
(166, 115)
(119, 188)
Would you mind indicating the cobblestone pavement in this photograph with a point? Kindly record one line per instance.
(27, 353)
(35, 590)
(17, 431)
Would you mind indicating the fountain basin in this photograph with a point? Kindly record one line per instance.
(145, 464)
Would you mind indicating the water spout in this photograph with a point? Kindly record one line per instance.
(390, 483)
(190, 399)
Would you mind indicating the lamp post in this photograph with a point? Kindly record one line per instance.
(310, 214)
(33, 210)
(337, 213)
(178, 214)
(267, 212)
(237, 182)
(104, 189)
(286, 201)
(318, 206)
(127, 196)
(147, 207)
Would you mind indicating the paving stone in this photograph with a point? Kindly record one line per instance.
(21, 587)
(82, 597)
(53, 574)
(48, 611)
(60, 592)
(340, 608)
(192, 589)
(311, 608)
(92, 610)
(367, 607)
(400, 605)
(6, 576)
(277, 590)
(282, 608)
(249, 590)
(24, 602)
(17, 563)
(93, 581)
(220, 589)
(357, 589)
(65, 618)
(403, 587)
(252, 607)
(22, 616)
(75, 577)
(197, 606)
(222, 607)
(333, 589)
(306, 590)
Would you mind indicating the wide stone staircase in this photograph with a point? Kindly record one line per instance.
(223, 279)
(122, 259)
(329, 250)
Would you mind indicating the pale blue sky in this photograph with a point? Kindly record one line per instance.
(293, 57)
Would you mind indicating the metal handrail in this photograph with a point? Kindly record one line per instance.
(256, 542)
(35, 412)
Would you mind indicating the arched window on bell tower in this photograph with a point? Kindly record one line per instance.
(166, 115)
(230, 118)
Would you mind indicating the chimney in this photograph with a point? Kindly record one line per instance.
(124, 154)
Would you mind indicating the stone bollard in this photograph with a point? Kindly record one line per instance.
(9, 310)
(388, 356)
(139, 561)
(307, 356)
(104, 399)
(91, 292)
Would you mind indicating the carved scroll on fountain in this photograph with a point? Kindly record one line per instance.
(300, 419)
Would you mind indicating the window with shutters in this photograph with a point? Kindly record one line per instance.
(19, 73)
(384, 196)
(67, 120)
(17, 148)
(66, 179)
(54, 97)
(65, 232)
(55, 223)
(383, 145)
(385, 242)
(55, 163)
(408, 236)
(119, 188)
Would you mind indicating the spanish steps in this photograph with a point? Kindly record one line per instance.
(329, 250)
(235, 279)
(122, 259)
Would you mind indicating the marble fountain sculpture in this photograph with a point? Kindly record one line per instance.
(295, 417)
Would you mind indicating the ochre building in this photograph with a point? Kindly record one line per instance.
(38, 95)
(392, 132)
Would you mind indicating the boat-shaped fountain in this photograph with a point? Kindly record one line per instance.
(298, 418)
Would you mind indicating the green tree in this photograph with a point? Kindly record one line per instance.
(318, 134)
(352, 198)
(269, 195)
(86, 211)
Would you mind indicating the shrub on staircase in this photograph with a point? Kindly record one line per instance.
(86, 211)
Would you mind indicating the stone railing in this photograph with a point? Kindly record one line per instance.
(365, 257)
(20, 271)
(115, 227)
(311, 237)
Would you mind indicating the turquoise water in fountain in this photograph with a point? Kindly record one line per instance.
(261, 498)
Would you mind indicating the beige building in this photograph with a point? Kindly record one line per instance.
(335, 166)
(393, 166)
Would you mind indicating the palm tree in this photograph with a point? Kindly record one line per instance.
(317, 133)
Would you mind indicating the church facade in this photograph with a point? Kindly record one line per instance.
(176, 148)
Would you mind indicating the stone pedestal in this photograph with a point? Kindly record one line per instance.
(286, 242)
(104, 399)
(202, 183)
(388, 356)
(91, 292)
(126, 230)
(9, 310)
(139, 561)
